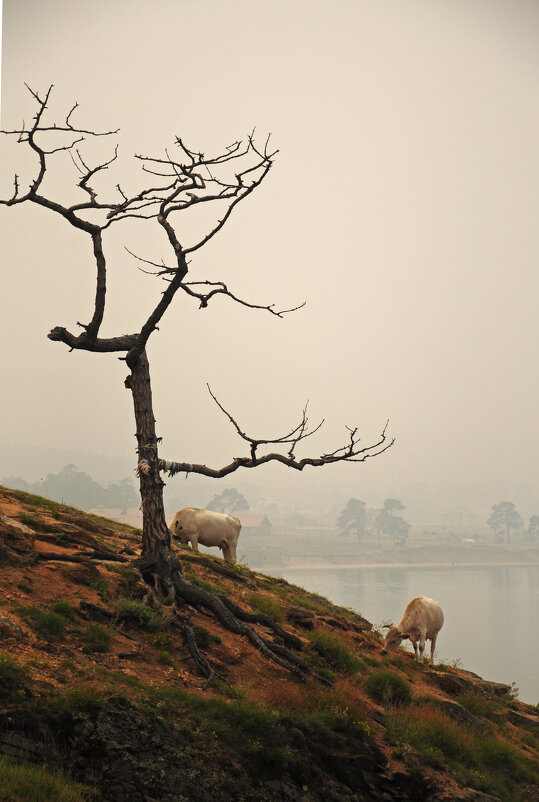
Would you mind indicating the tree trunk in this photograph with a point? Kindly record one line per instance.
(157, 559)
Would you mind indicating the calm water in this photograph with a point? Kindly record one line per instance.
(490, 613)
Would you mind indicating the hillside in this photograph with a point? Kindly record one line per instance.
(100, 698)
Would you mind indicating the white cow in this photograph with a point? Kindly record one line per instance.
(191, 524)
(422, 620)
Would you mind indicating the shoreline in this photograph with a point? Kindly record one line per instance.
(343, 566)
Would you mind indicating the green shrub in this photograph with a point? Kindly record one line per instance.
(388, 687)
(96, 638)
(63, 608)
(164, 658)
(326, 673)
(29, 520)
(335, 650)
(37, 784)
(162, 640)
(138, 613)
(24, 587)
(202, 637)
(266, 606)
(12, 676)
(49, 625)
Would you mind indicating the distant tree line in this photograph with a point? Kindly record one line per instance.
(506, 521)
(79, 489)
(356, 517)
(230, 500)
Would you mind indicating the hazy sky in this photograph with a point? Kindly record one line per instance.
(402, 207)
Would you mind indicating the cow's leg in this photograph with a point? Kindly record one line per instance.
(432, 648)
(194, 542)
(232, 552)
(421, 648)
(226, 551)
(416, 652)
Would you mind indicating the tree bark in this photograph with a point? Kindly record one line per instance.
(158, 561)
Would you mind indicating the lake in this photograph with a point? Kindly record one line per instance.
(490, 612)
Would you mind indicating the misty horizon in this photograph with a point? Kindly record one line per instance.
(416, 252)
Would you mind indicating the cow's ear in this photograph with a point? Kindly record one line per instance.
(404, 635)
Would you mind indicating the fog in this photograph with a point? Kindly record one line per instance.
(402, 207)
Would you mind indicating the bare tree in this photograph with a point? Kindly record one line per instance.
(175, 183)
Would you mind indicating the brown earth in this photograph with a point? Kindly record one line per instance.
(50, 553)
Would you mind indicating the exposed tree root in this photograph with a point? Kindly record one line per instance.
(164, 578)
(97, 551)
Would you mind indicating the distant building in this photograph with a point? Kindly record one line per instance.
(253, 524)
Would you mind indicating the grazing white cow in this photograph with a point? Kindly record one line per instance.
(191, 524)
(422, 620)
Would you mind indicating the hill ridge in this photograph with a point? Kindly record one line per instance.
(93, 683)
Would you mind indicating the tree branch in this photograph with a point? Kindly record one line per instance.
(350, 452)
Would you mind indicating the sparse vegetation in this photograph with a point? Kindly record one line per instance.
(76, 699)
(96, 638)
(204, 584)
(49, 624)
(13, 677)
(483, 761)
(102, 587)
(267, 606)
(252, 730)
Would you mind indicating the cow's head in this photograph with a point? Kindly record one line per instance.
(393, 639)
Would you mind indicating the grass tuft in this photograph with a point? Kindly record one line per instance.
(388, 687)
(335, 650)
(37, 784)
(266, 606)
(96, 638)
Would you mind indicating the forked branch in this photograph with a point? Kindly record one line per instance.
(351, 451)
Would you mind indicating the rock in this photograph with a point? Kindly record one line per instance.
(301, 617)
(494, 688)
(453, 684)
(9, 628)
(522, 719)
(460, 713)
(81, 573)
(13, 522)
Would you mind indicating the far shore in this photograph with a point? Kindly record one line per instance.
(323, 566)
